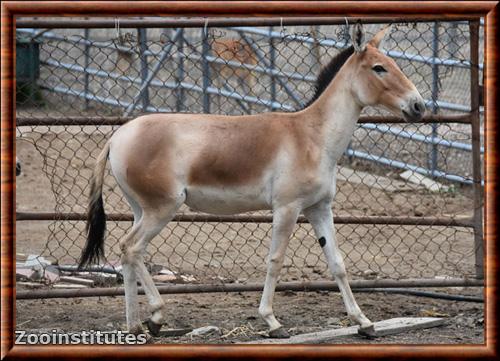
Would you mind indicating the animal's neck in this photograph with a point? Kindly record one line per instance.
(338, 111)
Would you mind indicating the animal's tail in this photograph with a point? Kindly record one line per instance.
(96, 218)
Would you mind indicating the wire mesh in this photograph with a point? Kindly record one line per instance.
(100, 73)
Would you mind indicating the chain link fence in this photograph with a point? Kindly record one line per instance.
(80, 84)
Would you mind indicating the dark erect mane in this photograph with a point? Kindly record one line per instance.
(328, 73)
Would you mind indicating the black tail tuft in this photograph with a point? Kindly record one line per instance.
(96, 227)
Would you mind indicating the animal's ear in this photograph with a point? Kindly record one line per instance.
(358, 37)
(377, 39)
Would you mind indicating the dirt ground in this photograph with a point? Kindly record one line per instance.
(237, 318)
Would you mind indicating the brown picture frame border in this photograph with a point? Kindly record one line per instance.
(402, 9)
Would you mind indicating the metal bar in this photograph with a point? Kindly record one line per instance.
(217, 22)
(476, 151)
(398, 132)
(165, 53)
(434, 96)
(86, 62)
(386, 220)
(251, 287)
(106, 120)
(272, 65)
(443, 296)
(403, 165)
(179, 106)
(205, 70)
(143, 47)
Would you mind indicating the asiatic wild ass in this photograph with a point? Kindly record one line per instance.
(231, 164)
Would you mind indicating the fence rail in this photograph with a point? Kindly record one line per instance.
(89, 84)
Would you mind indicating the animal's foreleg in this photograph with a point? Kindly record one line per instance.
(284, 220)
(321, 219)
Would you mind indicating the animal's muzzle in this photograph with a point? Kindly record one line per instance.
(415, 110)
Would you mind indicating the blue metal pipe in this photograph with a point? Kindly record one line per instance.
(402, 165)
(398, 132)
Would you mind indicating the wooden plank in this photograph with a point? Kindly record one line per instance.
(382, 328)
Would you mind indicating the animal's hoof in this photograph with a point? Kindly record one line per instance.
(153, 327)
(367, 331)
(279, 333)
(136, 330)
(149, 339)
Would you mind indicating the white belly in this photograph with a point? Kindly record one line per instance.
(227, 200)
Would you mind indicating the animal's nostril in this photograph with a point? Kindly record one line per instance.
(418, 108)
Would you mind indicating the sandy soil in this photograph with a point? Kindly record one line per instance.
(236, 316)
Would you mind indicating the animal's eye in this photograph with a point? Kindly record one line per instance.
(379, 69)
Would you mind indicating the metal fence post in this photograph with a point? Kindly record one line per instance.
(434, 95)
(179, 106)
(206, 70)
(143, 47)
(476, 149)
(86, 63)
(272, 65)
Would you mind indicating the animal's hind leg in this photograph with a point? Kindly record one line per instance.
(130, 284)
(129, 275)
(151, 224)
(321, 218)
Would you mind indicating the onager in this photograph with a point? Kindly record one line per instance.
(285, 162)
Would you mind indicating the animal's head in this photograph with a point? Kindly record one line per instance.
(378, 81)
